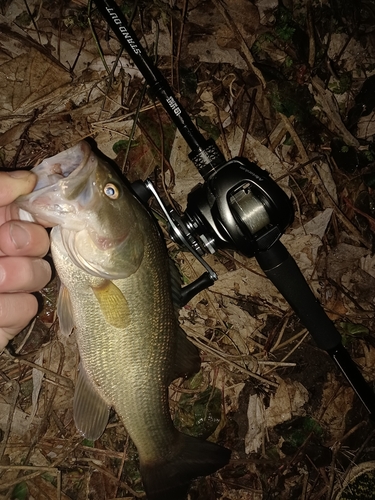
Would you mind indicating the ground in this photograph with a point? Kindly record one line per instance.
(288, 85)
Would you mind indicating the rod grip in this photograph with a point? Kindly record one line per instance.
(282, 270)
(280, 267)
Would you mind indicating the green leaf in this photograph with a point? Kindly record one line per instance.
(120, 146)
(300, 431)
(353, 329)
(205, 124)
(199, 414)
(87, 442)
(342, 85)
(20, 492)
(350, 331)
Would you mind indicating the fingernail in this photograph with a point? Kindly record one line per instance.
(19, 174)
(2, 274)
(19, 236)
(42, 268)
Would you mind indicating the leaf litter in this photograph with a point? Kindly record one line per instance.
(286, 85)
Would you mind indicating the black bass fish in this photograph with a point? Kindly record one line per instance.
(118, 291)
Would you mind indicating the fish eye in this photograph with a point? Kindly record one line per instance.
(111, 191)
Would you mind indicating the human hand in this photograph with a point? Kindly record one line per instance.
(22, 246)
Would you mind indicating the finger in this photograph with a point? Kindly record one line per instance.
(16, 311)
(23, 274)
(14, 184)
(12, 212)
(23, 238)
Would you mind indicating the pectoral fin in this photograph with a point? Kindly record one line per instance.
(113, 304)
(90, 411)
(65, 311)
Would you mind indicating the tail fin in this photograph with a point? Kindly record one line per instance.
(192, 457)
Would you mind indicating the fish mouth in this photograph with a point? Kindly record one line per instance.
(68, 163)
(62, 189)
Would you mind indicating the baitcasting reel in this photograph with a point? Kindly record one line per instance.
(239, 207)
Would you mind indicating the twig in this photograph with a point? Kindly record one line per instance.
(281, 334)
(24, 136)
(310, 31)
(123, 459)
(275, 364)
(157, 149)
(289, 341)
(360, 450)
(297, 141)
(245, 49)
(120, 483)
(40, 469)
(331, 483)
(95, 38)
(325, 99)
(179, 44)
(134, 126)
(26, 338)
(328, 202)
(370, 219)
(30, 42)
(348, 295)
(32, 20)
(290, 352)
(65, 381)
(12, 407)
(248, 120)
(216, 354)
(224, 139)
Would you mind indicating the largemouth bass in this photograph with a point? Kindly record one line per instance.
(118, 292)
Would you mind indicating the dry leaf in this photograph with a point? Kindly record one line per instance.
(287, 402)
(256, 424)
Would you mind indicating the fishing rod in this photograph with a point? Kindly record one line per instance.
(238, 206)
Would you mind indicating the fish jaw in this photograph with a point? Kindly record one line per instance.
(49, 203)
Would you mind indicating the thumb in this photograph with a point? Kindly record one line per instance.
(14, 184)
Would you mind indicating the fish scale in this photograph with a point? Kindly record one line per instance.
(137, 352)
